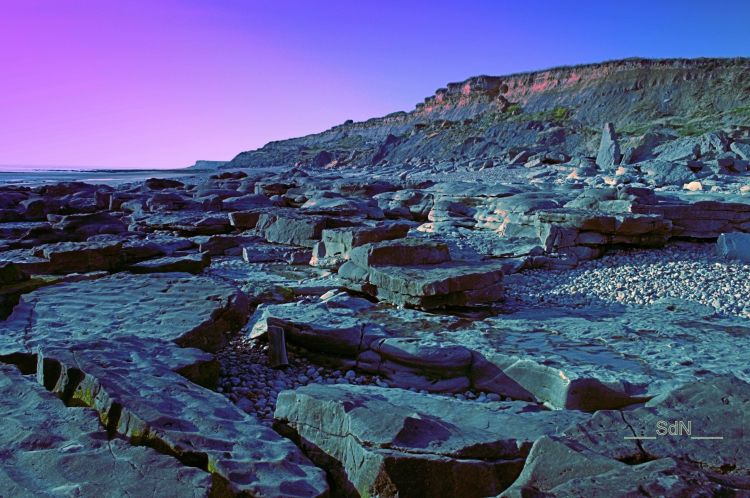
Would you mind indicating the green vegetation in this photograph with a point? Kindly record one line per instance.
(556, 114)
(692, 129)
(514, 109)
(742, 112)
(560, 113)
(634, 130)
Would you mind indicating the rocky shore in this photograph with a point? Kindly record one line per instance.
(519, 327)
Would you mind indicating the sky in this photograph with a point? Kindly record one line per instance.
(162, 83)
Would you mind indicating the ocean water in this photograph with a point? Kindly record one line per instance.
(13, 175)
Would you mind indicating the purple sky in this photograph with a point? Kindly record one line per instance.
(161, 83)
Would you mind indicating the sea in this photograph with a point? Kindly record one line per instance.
(36, 176)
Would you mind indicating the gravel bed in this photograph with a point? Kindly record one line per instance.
(691, 272)
(247, 379)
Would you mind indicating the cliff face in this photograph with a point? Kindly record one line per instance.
(560, 110)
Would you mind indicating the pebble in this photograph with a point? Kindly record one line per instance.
(248, 380)
(691, 272)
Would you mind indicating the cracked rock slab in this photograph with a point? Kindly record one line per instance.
(393, 442)
(428, 286)
(717, 409)
(125, 346)
(51, 450)
(557, 469)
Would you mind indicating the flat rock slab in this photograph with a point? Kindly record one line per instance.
(49, 449)
(690, 442)
(429, 286)
(555, 469)
(274, 282)
(392, 442)
(657, 347)
(114, 344)
(190, 263)
(352, 332)
(718, 407)
(428, 352)
(573, 357)
(290, 227)
(400, 252)
(158, 306)
(186, 222)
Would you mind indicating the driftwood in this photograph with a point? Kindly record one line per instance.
(277, 347)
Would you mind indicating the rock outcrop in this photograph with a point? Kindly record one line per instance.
(390, 442)
(421, 274)
(609, 155)
(690, 441)
(130, 365)
(51, 450)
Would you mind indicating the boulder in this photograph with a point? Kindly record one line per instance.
(268, 253)
(83, 226)
(13, 283)
(400, 252)
(417, 273)
(609, 154)
(681, 149)
(169, 201)
(246, 202)
(328, 327)
(162, 184)
(340, 206)
(660, 173)
(644, 147)
(185, 223)
(337, 243)
(742, 149)
(245, 220)
(429, 286)
(734, 245)
(81, 257)
(286, 227)
(10, 273)
(218, 245)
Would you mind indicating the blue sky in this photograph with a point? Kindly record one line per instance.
(161, 83)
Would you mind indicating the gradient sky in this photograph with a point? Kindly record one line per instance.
(161, 83)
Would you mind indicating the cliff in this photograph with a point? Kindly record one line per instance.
(559, 110)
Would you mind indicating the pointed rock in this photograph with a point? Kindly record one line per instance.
(609, 149)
